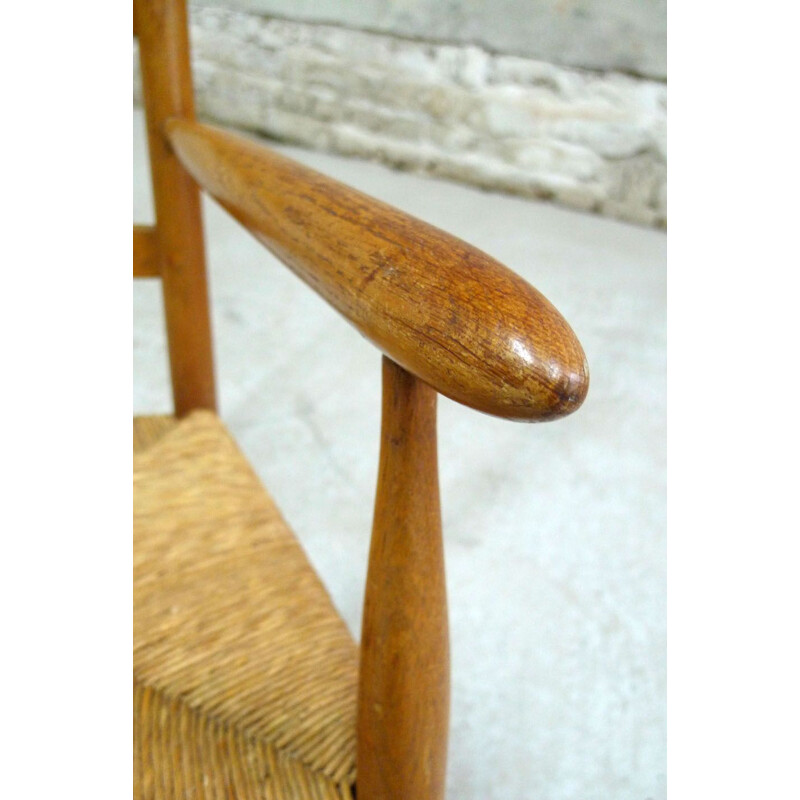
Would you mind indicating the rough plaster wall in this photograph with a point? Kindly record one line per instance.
(620, 35)
(587, 140)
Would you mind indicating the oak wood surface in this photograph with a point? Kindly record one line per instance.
(146, 255)
(161, 27)
(444, 310)
(404, 677)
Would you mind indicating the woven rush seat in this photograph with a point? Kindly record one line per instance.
(148, 430)
(244, 674)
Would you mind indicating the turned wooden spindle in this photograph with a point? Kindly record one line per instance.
(404, 680)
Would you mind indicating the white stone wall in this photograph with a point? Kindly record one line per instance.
(594, 141)
(621, 35)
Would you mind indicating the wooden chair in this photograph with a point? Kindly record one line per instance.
(246, 681)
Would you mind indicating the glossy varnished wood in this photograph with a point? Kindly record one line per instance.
(447, 312)
(161, 27)
(404, 697)
(146, 255)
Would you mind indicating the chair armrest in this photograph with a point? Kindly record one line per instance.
(442, 309)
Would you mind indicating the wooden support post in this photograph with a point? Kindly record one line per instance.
(404, 681)
(161, 26)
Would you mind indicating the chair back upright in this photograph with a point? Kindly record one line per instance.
(173, 248)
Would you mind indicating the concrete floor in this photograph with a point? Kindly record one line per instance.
(555, 534)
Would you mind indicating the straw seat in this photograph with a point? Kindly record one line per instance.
(148, 430)
(244, 674)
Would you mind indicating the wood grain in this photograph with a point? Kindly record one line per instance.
(167, 92)
(146, 255)
(404, 677)
(447, 312)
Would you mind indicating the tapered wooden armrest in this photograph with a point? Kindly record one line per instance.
(445, 311)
